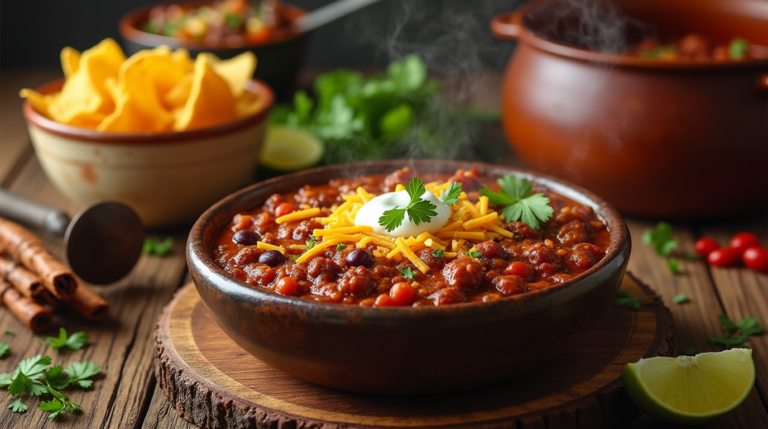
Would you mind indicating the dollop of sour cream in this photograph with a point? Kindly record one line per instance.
(370, 213)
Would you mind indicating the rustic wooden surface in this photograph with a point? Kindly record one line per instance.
(125, 395)
(196, 371)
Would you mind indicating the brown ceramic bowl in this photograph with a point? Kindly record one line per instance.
(414, 350)
(653, 138)
(279, 60)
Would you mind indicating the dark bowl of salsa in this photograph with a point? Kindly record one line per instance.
(278, 49)
(327, 304)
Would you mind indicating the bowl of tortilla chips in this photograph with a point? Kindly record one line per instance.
(164, 133)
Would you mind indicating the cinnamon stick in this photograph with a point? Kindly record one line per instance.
(89, 303)
(26, 248)
(32, 314)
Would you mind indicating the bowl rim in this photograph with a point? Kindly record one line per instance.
(526, 35)
(128, 28)
(200, 261)
(79, 134)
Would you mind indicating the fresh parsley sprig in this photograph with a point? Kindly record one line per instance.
(520, 204)
(661, 238)
(451, 195)
(628, 299)
(418, 210)
(408, 273)
(438, 253)
(75, 342)
(736, 333)
(58, 404)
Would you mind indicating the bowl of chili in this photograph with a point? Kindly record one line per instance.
(505, 301)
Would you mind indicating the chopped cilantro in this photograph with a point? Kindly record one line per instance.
(408, 273)
(312, 241)
(74, 342)
(474, 254)
(680, 298)
(661, 239)
(520, 204)
(438, 253)
(450, 196)
(736, 333)
(673, 265)
(341, 246)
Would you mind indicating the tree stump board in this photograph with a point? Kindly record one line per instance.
(213, 383)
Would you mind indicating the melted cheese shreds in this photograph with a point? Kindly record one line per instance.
(318, 248)
(474, 223)
(266, 246)
(408, 253)
(301, 214)
(345, 230)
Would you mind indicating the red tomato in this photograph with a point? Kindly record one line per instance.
(401, 293)
(756, 257)
(384, 300)
(518, 268)
(284, 209)
(744, 240)
(723, 257)
(286, 286)
(704, 246)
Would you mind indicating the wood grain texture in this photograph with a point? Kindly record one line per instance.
(213, 383)
(121, 344)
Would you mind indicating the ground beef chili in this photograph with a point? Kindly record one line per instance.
(572, 241)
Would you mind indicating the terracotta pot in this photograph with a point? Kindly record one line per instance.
(407, 350)
(278, 61)
(664, 139)
(168, 178)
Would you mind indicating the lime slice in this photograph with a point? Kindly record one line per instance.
(690, 389)
(290, 149)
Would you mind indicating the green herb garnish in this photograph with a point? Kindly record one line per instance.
(17, 406)
(680, 298)
(690, 256)
(474, 254)
(520, 204)
(627, 299)
(9, 332)
(689, 351)
(58, 404)
(735, 335)
(312, 241)
(737, 48)
(408, 273)
(673, 265)
(4, 347)
(418, 210)
(661, 239)
(74, 342)
(341, 246)
(153, 246)
(450, 196)
(438, 253)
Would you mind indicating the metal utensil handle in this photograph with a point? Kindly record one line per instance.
(328, 13)
(32, 213)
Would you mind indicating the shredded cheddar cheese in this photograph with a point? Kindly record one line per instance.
(266, 246)
(299, 215)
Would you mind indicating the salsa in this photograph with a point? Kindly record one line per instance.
(698, 47)
(267, 250)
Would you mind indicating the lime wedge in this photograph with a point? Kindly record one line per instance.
(290, 149)
(690, 389)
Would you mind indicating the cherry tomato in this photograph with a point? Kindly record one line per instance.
(744, 240)
(384, 300)
(704, 246)
(756, 257)
(723, 257)
(518, 268)
(401, 294)
(284, 209)
(286, 286)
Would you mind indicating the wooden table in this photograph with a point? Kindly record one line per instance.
(125, 394)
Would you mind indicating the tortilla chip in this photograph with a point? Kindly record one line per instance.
(248, 104)
(84, 96)
(39, 101)
(178, 95)
(70, 61)
(236, 71)
(210, 100)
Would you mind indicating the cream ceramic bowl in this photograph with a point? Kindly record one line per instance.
(168, 178)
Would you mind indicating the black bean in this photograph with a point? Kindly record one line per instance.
(245, 237)
(272, 258)
(358, 257)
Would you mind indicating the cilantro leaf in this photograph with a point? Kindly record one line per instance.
(736, 334)
(153, 246)
(438, 253)
(727, 322)
(17, 385)
(627, 299)
(80, 372)
(418, 210)
(474, 254)
(9, 332)
(341, 246)
(520, 205)
(34, 367)
(673, 265)
(689, 351)
(408, 273)
(5, 380)
(58, 404)
(75, 342)
(450, 196)
(661, 239)
(56, 378)
(18, 407)
(4, 347)
(312, 241)
(680, 298)
(36, 388)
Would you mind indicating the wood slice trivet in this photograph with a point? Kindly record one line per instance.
(213, 383)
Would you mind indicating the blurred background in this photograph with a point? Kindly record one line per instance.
(32, 33)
